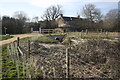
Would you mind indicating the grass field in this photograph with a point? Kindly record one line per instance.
(9, 69)
(95, 35)
(5, 37)
(46, 40)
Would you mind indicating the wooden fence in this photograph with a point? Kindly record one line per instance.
(50, 31)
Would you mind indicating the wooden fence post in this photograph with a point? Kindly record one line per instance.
(31, 30)
(40, 30)
(29, 58)
(101, 31)
(81, 34)
(48, 31)
(97, 31)
(29, 46)
(18, 40)
(67, 63)
(106, 34)
(86, 31)
(54, 74)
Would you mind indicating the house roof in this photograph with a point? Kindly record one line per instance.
(70, 18)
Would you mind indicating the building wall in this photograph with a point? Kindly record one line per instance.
(61, 22)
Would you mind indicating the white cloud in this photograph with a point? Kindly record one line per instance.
(13, 1)
(107, 5)
(102, 0)
(70, 7)
(47, 3)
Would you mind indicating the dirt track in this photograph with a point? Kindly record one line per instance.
(15, 38)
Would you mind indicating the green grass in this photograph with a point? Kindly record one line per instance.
(92, 36)
(25, 39)
(9, 69)
(82, 69)
(8, 66)
(5, 37)
(46, 40)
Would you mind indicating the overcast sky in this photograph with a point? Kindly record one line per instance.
(35, 8)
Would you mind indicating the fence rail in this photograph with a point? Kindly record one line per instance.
(47, 31)
(42, 31)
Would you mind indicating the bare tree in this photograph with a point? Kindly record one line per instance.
(22, 18)
(111, 19)
(35, 19)
(92, 13)
(112, 14)
(52, 13)
(20, 15)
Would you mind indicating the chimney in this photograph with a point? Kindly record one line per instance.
(78, 16)
(61, 15)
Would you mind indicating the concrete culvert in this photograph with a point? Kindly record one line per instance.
(56, 38)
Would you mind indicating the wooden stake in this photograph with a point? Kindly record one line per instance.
(18, 39)
(81, 33)
(67, 63)
(54, 72)
(31, 30)
(101, 31)
(40, 30)
(29, 46)
(106, 34)
(86, 31)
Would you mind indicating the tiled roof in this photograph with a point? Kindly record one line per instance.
(70, 18)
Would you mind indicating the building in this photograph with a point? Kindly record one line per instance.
(64, 21)
(73, 23)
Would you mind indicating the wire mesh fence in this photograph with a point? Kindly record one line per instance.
(79, 61)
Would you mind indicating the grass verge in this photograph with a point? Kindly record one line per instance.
(25, 39)
(9, 69)
(5, 37)
(46, 40)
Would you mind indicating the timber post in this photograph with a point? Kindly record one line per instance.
(101, 31)
(29, 46)
(81, 34)
(106, 34)
(18, 41)
(40, 30)
(31, 30)
(67, 64)
(86, 31)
